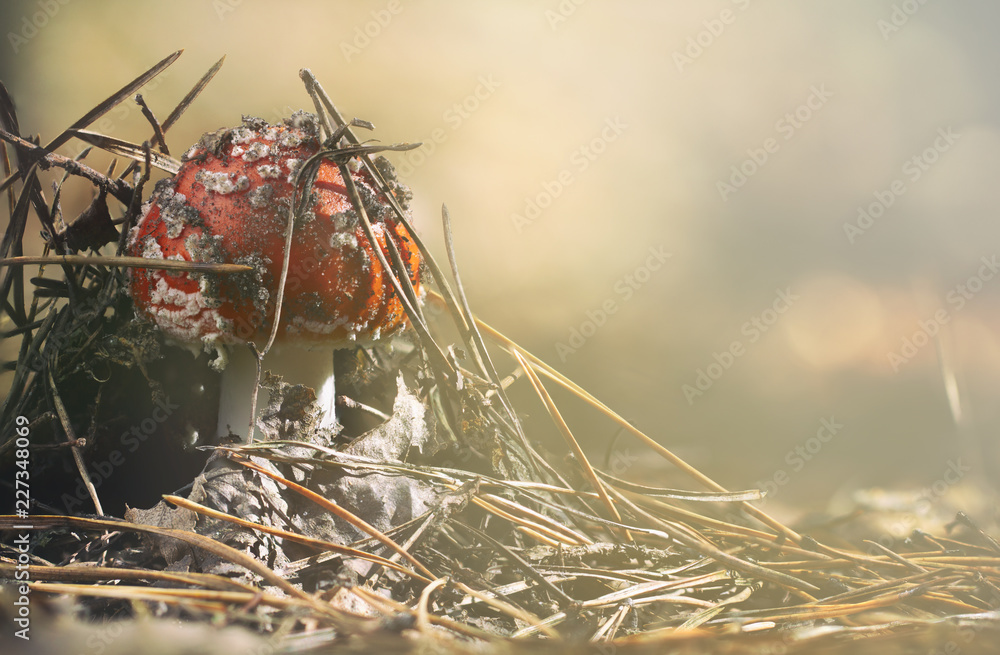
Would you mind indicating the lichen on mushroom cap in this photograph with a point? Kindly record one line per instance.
(229, 203)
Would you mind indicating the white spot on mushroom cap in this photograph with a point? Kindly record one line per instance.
(260, 197)
(182, 314)
(241, 135)
(290, 140)
(133, 234)
(222, 182)
(172, 211)
(151, 249)
(268, 171)
(255, 151)
(347, 221)
(343, 240)
(237, 151)
(189, 319)
(203, 247)
(292, 165)
(207, 289)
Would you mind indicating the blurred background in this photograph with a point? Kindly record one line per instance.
(766, 233)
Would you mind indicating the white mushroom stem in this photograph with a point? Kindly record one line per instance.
(296, 364)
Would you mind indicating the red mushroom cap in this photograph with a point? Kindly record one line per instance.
(229, 203)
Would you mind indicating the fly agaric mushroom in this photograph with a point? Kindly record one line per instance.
(229, 202)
